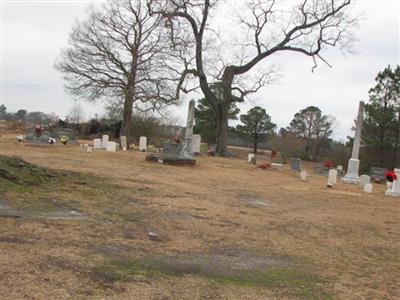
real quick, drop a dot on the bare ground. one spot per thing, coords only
(221, 230)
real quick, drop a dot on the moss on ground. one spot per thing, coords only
(284, 280)
(16, 171)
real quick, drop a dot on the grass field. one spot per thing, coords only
(223, 230)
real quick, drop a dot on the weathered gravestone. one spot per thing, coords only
(250, 156)
(104, 141)
(111, 147)
(97, 143)
(303, 175)
(143, 143)
(394, 191)
(196, 144)
(295, 164)
(332, 178)
(124, 143)
(368, 188)
(364, 179)
(181, 154)
(377, 174)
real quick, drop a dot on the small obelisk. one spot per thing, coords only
(352, 168)
(187, 149)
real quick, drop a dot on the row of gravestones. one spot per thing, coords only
(110, 146)
(377, 174)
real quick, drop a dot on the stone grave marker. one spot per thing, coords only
(368, 187)
(394, 191)
(97, 143)
(364, 179)
(303, 175)
(332, 178)
(142, 143)
(295, 164)
(104, 141)
(250, 157)
(377, 174)
(124, 143)
(111, 147)
(196, 143)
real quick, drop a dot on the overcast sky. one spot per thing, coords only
(34, 32)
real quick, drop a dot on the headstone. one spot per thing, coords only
(395, 189)
(250, 157)
(187, 150)
(142, 143)
(104, 141)
(377, 174)
(196, 144)
(368, 188)
(303, 175)
(364, 179)
(295, 164)
(332, 177)
(319, 169)
(89, 149)
(340, 170)
(124, 143)
(111, 147)
(97, 143)
(352, 168)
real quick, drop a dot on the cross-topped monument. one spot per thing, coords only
(352, 168)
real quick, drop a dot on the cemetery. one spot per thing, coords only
(196, 149)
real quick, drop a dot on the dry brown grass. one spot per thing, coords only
(339, 243)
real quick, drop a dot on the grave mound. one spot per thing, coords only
(16, 170)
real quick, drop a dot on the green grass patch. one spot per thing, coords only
(283, 280)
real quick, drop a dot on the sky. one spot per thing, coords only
(34, 32)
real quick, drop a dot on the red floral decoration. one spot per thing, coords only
(329, 164)
(390, 175)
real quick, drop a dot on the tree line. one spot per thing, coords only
(143, 55)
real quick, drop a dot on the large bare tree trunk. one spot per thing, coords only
(222, 129)
(127, 116)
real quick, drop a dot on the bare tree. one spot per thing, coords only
(268, 27)
(121, 53)
(76, 114)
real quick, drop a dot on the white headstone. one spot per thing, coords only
(124, 143)
(104, 141)
(364, 179)
(196, 143)
(89, 149)
(332, 177)
(303, 175)
(339, 168)
(97, 143)
(395, 189)
(111, 147)
(142, 143)
(368, 188)
(250, 156)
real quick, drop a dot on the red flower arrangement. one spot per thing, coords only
(328, 164)
(390, 175)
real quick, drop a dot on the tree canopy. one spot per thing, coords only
(314, 127)
(256, 125)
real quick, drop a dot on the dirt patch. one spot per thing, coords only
(253, 201)
(7, 211)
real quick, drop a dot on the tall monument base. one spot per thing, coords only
(352, 172)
